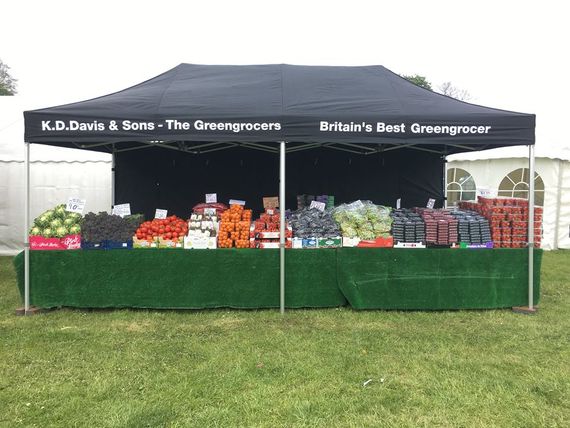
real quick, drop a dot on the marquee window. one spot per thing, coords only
(515, 185)
(460, 186)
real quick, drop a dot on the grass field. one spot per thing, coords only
(328, 368)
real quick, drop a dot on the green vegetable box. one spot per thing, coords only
(56, 229)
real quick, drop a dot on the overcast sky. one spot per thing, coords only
(508, 54)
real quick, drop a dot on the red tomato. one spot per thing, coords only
(167, 229)
(168, 235)
(174, 235)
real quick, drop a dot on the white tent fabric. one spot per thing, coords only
(488, 168)
(52, 183)
(55, 175)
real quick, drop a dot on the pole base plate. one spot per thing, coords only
(32, 310)
(525, 310)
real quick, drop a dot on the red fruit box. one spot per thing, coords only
(484, 200)
(515, 217)
(69, 242)
(41, 243)
(377, 243)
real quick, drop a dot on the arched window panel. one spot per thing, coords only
(460, 186)
(515, 185)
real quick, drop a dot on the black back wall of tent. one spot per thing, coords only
(176, 181)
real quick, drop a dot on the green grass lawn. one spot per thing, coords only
(308, 368)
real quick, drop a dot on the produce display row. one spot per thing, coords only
(508, 220)
(487, 223)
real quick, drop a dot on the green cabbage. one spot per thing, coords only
(363, 219)
(55, 223)
(35, 231)
(61, 231)
(60, 211)
(68, 222)
(75, 229)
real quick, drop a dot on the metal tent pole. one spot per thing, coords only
(282, 227)
(444, 181)
(113, 162)
(558, 203)
(26, 232)
(531, 227)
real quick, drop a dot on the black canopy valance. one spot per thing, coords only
(269, 103)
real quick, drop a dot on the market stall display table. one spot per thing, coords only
(372, 278)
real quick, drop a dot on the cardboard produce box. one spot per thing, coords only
(69, 242)
(200, 242)
(145, 243)
(329, 242)
(164, 243)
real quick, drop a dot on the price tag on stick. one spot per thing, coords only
(430, 203)
(398, 203)
(270, 202)
(122, 210)
(211, 198)
(318, 205)
(160, 214)
(75, 205)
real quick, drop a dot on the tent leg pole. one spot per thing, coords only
(26, 232)
(282, 227)
(444, 182)
(558, 203)
(530, 309)
(531, 227)
(113, 177)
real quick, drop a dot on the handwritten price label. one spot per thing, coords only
(122, 210)
(75, 205)
(318, 205)
(236, 202)
(161, 214)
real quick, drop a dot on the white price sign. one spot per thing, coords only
(75, 205)
(210, 211)
(122, 210)
(211, 198)
(430, 203)
(488, 193)
(160, 214)
(236, 202)
(398, 203)
(318, 205)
